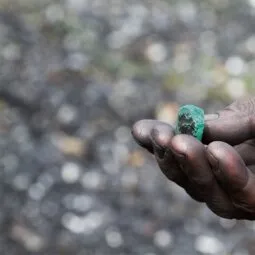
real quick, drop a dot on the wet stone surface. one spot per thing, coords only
(74, 76)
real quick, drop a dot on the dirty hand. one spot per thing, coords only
(220, 171)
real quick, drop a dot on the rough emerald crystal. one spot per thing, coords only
(191, 121)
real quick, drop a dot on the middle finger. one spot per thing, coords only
(200, 175)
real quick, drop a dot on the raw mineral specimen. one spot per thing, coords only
(190, 121)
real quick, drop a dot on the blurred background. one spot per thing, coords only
(75, 75)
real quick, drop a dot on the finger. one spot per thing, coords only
(156, 137)
(191, 154)
(227, 166)
(200, 175)
(246, 152)
(141, 132)
(233, 125)
(161, 137)
(233, 174)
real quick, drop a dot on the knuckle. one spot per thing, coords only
(244, 106)
(245, 205)
(247, 105)
(204, 183)
(220, 204)
(244, 199)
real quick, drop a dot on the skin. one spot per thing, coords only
(220, 170)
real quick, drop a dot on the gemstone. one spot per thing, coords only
(190, 121)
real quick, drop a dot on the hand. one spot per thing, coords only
(220, 171)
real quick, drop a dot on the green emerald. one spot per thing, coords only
(191, 121)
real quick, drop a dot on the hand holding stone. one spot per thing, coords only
(220, 170)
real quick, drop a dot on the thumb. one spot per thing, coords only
(234, 124)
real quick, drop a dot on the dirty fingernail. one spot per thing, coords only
(181, 159)
(160, 152)
(179, 156)
(213, 162)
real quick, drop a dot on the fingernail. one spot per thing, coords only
(179, 156)
(181, 159)
(213, 162)
(159, 151)
(209, 117)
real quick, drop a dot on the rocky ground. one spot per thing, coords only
(74, 76)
